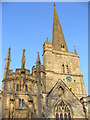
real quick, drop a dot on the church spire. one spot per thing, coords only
(23, 60)
(7, 63)
(58, 40)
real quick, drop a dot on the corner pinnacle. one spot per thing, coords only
(38, 58)
(23, 59)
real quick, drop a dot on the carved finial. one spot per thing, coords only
(47, 40)
(23, 59)
(38, 57)
(75, 50)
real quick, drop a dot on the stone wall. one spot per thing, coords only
(86, 104)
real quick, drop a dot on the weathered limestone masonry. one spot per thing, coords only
(53, 90)
(0, 105)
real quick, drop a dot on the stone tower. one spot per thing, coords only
(60, 63)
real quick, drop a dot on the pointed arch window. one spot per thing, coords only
(62, 45)
(63, 67)
(26, 89)
(17, 87)
(65, 116)
(63, 111)
(67, 68)
(22, 102)
(19, 102)
(69, 116)
(61, 116)
(57, 116)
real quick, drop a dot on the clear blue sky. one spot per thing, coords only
(27, 25)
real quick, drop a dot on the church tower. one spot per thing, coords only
(61, 64)
(53, 90)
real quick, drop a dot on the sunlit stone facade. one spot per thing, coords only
(53, 90)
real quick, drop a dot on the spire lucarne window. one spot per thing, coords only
(62, 111)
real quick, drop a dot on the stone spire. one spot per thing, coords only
(58, 40)
(23, 60)
(7, 63)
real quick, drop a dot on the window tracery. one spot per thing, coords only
(62, 111)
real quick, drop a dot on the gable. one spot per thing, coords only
(60, 92)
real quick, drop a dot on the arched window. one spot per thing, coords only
(69, 116)
(17, 87)
(65, 116)
(57, 109)
(19, 102)
(63, 68)
(61, 116)
(22, 102)
(26, 88)
(63, 111)
(62, 45)
(57, 116)
(67, 68)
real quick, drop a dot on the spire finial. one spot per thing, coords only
(23, 59)
(54, 4)
(75, 50)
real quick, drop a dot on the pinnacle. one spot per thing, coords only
(8, 55)
(38, 57)
(23, 59)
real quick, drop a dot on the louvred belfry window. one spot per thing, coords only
(63, 67)
(67, 68)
